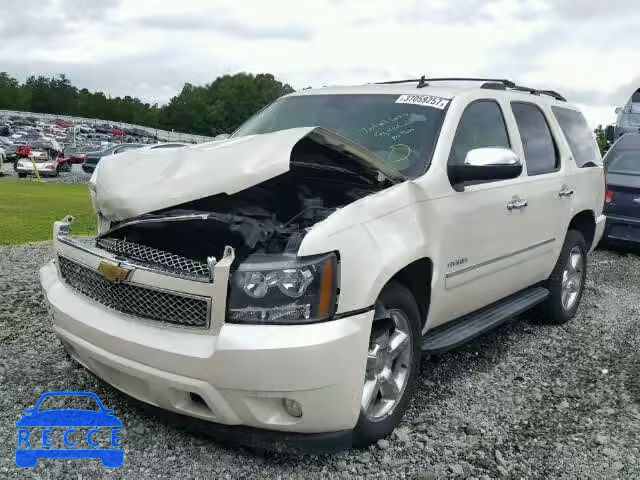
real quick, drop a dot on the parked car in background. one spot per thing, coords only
(64, 164)
(11, 152)
(75, 155)
(47, 167)
(93, 158)
(45, 155)
(622, 199)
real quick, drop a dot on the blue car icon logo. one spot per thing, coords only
(81, 433)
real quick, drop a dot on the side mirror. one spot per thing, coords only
(222, 136)
(482, 164)
(618, 110)
(609, 133)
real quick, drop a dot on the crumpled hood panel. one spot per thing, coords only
(146, 180)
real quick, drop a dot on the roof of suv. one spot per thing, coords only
(446, 89)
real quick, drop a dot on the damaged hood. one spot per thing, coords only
(142, 181)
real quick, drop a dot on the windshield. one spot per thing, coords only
(625, 162)
(401, 134)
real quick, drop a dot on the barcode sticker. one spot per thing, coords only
(424, 100)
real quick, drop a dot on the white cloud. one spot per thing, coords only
(149, 49)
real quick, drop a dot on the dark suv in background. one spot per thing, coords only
(622, 200)
(93, 158)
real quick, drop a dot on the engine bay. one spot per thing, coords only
(271, 217)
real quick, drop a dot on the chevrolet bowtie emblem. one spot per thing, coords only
(114, 272)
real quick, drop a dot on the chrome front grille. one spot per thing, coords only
(148, 303)
(158, 259)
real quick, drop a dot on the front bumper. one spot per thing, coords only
(622, 229)
(30, 170)
(229, 374)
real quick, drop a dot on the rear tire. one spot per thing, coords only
(566, 282)
(22, 175)
(400, 311)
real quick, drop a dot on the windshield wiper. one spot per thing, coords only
(333, 168)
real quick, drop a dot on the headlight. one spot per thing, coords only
(283, 290)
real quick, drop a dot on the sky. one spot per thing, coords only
(586, 50)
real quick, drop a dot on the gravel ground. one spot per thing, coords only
(526, 401)
(76, 175)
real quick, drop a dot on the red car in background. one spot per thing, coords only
(75, 155)
(76, 158)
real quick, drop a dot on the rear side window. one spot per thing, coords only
(578, 135)
(481, 125)
(540, 152)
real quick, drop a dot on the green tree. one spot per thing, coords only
(218, 107)
(11, 96)
(601, 139)
(221, 106)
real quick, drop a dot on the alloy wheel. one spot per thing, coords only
(388, 367)
(572, 278)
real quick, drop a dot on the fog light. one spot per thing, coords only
(293, 408)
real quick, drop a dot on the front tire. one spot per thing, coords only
(22, 175)
(566, 282)
(393, 362)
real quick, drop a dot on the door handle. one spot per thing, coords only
(565, 191)
(516, 204)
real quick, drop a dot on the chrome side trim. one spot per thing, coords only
(497, 259)
(129, 262)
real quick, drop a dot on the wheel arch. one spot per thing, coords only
(416, 277)
(585, 223)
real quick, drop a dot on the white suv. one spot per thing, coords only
(291, 276)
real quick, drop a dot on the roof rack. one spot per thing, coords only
(421, 81)
(533, 91)
(505, 82)
(489, 83)
(554, 94)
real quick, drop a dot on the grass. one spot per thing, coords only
(29, 208)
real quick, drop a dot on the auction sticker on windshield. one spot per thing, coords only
(424, 100)
(79, 428)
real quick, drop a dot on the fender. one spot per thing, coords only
(375, 238)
